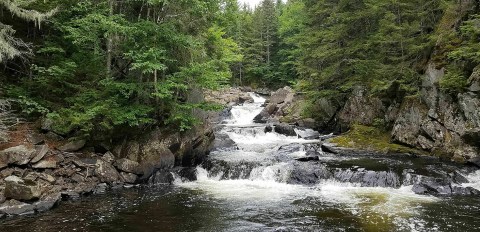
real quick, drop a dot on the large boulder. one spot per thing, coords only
(106, 172)
(262, 117)
(282, 95)
(126, 165)
(223, 142)
(19, 155)
(285, 129)
(19, 189)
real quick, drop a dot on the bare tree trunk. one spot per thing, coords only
(110, 43)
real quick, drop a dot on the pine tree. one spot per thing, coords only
(10, 46)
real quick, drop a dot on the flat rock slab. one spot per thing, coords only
(73, 146)
(14, 207)
(19, 155)
(40, 152)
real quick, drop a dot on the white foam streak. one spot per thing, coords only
(474, 180)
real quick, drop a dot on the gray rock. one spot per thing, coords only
(281, 95)
(285, 129)
(47, 202)
(361, 108)
(47, 124)
(14, 207)
(73, 146)
(108, 157)
(475, 161)
(127, 165)
(100, 189)
(70, 195)
(129, 177)
(308, 134)
(46, 163)
(19, 155)
(155, 157)
(47, 177)
(474, 80)
(472, 137)
(262, 117)
(106, 172)
(268, 129)
(161, 177)
(19, 189)
(36, 139)
(223, 142)
(329, 148)
(2, 198)
(40, 152)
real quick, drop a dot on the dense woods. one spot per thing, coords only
(98, 65)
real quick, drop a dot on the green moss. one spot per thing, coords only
(371, 139)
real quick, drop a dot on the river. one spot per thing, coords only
(266, 181)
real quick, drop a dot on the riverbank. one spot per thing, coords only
(39, 167)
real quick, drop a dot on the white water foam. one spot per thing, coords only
(474, 180)
(267, 183)
(244, 114)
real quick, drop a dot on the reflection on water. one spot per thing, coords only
(182, 209)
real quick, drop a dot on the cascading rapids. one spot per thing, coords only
(264, 170)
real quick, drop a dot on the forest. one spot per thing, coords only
(96, 66)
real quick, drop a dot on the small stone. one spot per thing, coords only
(73, 146)
(100, 188)
(46, 177)
(40, 152)
(128, 177)
(70, 195)
(78, 178)
(31, 176)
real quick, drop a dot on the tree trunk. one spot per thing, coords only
(110, 43)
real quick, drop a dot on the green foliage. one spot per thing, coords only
(105, 66)
(454, 81)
